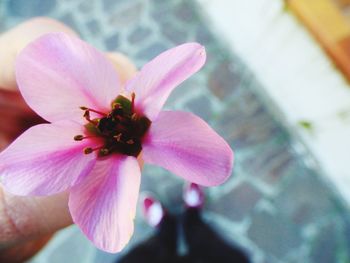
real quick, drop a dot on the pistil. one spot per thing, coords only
(122, 129)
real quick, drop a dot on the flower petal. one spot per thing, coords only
(44, 160)
(185, 145)
(154, 83)
(58, 73)
(103, 204)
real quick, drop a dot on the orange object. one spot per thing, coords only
(325, 20)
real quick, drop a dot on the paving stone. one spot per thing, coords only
(151, 51)
(185, 11)
(30, 8)
(183, 91)
(274, 234)
(87, 7)
(237, 203)
(224, 80)
(109, 5)
(94, 26)
(177, 35)
(73, 250)
(203, 35)
(272, 160)
(139, 34)
(250, 124)
(344, 222)
(325, 247)
(112, 42)
(126, 16)
(161, 13)
(201, 106)
(70, 21)
(305, 199)
(164, 185)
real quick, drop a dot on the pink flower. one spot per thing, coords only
(71, 85)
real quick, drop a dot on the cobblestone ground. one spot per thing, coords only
(277, 206)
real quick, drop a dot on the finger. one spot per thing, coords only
(125, 68)
(14, 40)
(23, 251)
(25, 218)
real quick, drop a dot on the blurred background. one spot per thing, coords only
(275, 86)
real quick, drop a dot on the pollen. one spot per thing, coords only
(121, 130)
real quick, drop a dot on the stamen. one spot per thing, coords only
(88, 150)
(104, 151)
(92, 110)
(116, 105)
(87, 117)
(118, 137)
(121, 129)
(78, 137)
(131, 141)
(134, 117)
(81, 137)
(132, 101)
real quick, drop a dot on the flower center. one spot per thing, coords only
(122, 129)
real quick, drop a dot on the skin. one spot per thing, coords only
(27, 223)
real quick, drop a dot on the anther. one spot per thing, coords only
(86, 114)
(104, 151)
(132, 101)
(116, 105)
(81, 137)
(87, 117)
(134, 117)
(87, 110)
(117, 137)
(131, 141)
(88, 150)
(78, 137)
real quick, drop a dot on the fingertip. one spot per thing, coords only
(124, 66)
(25, 218)
(14, 40)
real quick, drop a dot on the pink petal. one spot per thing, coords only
(154, 83)
(44, 160)
(103, 205)
(58, 73)
(185, 145)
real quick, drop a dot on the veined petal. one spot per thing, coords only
(185, 145)
(45, 160)
(58, 73)
(103, 204)
(154, 83)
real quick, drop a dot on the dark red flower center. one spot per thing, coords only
(122, 129)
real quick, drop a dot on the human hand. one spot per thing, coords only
(27, 223)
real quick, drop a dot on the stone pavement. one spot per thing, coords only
(277, 206)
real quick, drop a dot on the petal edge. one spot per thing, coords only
(184, 144)
(158, 78)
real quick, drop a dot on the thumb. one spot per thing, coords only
(14, 40)
(24, 218)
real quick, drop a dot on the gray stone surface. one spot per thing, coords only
(325, 247)
(35, 8)
(201, 106)
(304, 199)
(275, 234)
(238, 203)
(275, 206)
